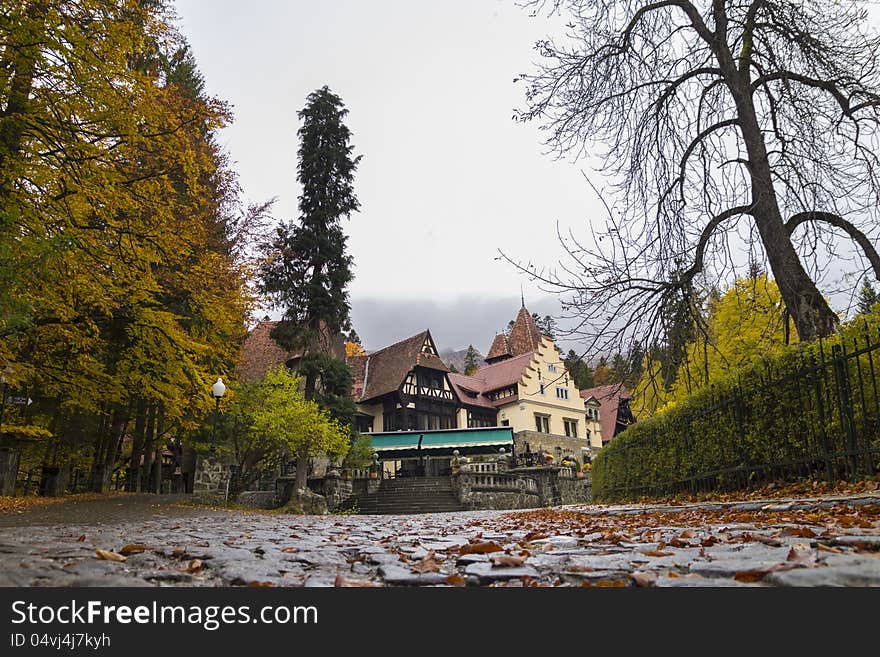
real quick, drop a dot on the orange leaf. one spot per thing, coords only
(194, 566)
(108, 556)
(480, 548)
(132, 548)
(801, 532)
(456, 580)
(750, 575)
(643, 579)
(81, 538)
(507, 561)
(290, 550)
(341, 582)
(425, 565)
(655, 553)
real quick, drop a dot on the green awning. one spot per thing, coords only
(443, 439)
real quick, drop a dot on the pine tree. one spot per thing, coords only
(580, 372)
(308, 270)
(867, 297)
(546, 325)
(471, 361)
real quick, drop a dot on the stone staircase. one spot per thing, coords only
(407, 495)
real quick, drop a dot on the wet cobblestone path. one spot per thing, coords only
(156, 541)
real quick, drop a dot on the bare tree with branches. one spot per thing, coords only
(727, 123)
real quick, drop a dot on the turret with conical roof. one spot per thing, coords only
(524, 338)
(500, 349)
(524, 335)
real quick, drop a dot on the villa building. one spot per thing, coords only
(524, 386)
(420, 413)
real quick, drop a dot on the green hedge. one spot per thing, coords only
(810, 410)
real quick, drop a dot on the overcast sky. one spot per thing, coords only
(447, 177)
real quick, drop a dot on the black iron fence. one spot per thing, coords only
(812, 412)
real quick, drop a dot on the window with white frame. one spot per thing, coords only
(571, 427)
(542, 423)
(562, 393)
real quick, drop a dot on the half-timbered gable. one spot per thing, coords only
(406, 385)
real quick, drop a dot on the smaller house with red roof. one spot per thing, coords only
(609, 405)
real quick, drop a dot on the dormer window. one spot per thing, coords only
(551, 368)
(428, 348)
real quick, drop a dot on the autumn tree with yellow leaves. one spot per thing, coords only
(123, 268)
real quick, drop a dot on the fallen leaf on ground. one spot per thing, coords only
(801, 532)
(194, 566)
(480, 548)
(604, 583)
(290, 550)
(655, 553)
(426, 564)
(806, 558)
(259, 584)
(341, 582)
(456, 580)
(577, 568)
(688, 533)
(750, 575)
(132, 548)
(507, 561)
(81, 538)
(828, 548)
(643, 579)
(108, 556)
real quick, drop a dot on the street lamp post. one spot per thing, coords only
(6, 371)
(217, 390)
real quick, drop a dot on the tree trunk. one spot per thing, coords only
(137, 447)
(148, 449)
(813, 318)
(302, 471)
(160, 445)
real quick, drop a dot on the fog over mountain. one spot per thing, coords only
(453, 324)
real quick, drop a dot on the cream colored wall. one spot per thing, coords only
(461, 418)
(376, 410)
(521, 413)
(595, 428)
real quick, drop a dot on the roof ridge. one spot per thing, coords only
(415, 335)
(506, 360)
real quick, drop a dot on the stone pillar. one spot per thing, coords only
(212, 479)
(53, 481)
(9, 459)
(336, 490)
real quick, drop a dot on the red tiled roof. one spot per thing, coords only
(504, 373)
(491, 377)
(358, 366)
(524, 335)
(460, 383)
(385, 370)
(609, 397)
(500, 348)
(260, 352)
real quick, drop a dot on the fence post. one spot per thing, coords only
(820, 411)
(844, 398)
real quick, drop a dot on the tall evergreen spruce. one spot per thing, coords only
(308, 269)
(471, 360)
(867, 297)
